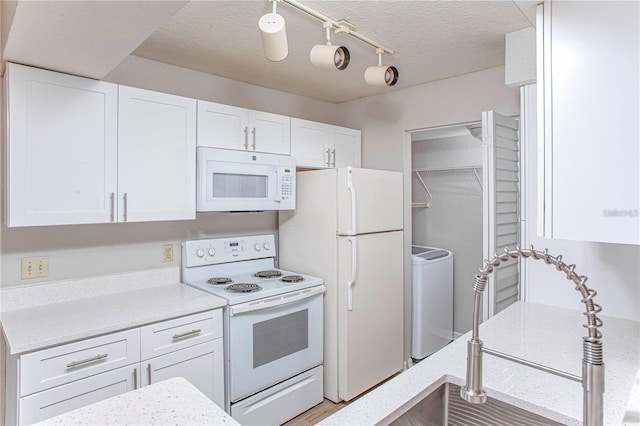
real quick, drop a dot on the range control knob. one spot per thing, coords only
(200, 252)
(266, 246)
(257, 246)
(211, 251)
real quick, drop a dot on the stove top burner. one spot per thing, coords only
(267, 274)
(219, 280)
(243, 288)
(292, 278)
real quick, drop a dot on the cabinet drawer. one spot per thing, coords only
(168, 336)
(63, 364)
(53, 402)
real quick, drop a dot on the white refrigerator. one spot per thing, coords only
(347, 229)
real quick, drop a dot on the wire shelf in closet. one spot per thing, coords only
(418, 170)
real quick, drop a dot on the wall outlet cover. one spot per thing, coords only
(34, 267)
(167, 253)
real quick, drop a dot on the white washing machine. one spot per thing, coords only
(432, 317)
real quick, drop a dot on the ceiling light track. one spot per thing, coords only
(337, 26)
(274, 40)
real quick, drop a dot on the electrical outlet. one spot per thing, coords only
(34, 267)
(167, 253)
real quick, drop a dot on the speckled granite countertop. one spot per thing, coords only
(83, 308)
(169, 402)
(543, 334)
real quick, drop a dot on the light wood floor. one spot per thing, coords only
(317, 413)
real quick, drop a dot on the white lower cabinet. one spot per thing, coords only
(201, 365)
(61, 399)
(53, 381)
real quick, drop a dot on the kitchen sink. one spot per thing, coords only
(444, 406)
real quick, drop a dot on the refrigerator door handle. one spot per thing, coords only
(352, 191)
(354, 268)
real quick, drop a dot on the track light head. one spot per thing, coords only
(381, 76)
(329, 56)
(274, 36)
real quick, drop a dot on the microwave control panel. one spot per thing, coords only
(287, 182)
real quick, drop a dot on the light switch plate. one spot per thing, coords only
(34, 267)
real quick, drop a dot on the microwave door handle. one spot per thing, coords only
(278, 196)
(354, 268)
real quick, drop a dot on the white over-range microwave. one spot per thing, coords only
(244, 181)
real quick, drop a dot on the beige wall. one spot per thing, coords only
(146, 74)
(462, 99)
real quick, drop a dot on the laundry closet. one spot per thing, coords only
(465, 188)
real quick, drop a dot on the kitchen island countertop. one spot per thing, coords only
(543, 334)
(173, 401)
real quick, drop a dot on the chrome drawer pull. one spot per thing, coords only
(188, 333)
(87, 361)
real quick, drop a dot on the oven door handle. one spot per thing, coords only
(271, 302)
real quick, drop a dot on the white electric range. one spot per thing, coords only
(273, 326)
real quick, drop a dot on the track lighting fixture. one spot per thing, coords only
(274, 40)
(274, 35)
(328, 55)
(380, 75)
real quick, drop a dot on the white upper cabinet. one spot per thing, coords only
(229, 127)
(85, 151)
(61, 149)
(319, 145)
(310, 143)
(345, 146)
(589, 139)
(156, 156)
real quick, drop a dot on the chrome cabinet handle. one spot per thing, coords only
(187, 334)
(328, 157)
(135, 378)
(124, 199)
(113, 206)
(149, 372)
(254, 138)
(333, 151)
(246, 138)
(87, 361)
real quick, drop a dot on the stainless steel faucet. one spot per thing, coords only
(592, 365)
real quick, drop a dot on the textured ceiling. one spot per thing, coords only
(432, 40)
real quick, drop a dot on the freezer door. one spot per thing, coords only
(368, 201)
(370, 311)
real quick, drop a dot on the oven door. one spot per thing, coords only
(273, 339)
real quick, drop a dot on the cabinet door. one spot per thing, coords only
(222, 126)
(310, 143)
(156, 156)
(80, 393)
(269, 133)
(202, 365)
(62, 148)
(345, 150)
(589, 104)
